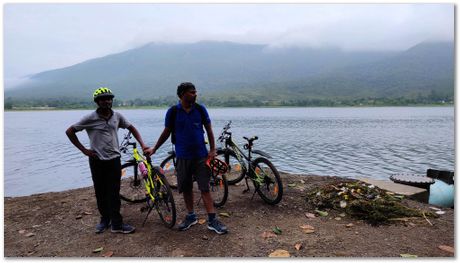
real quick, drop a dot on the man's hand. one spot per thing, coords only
(89, 153)
(212, 154)
(149, 151)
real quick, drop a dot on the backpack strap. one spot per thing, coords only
(173, 123)
(201, 110)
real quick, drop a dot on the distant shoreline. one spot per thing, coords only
(222, 107)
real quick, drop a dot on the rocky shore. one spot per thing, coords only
(61, 224)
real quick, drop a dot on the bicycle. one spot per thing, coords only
(263, 174)
(142, 182)
(218, 185)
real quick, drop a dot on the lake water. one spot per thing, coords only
(346, 142)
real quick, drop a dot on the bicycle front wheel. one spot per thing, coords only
(169, 167)
(164, 203)
(218, 187)
(132, 187)
(235, 171)
(267, 181)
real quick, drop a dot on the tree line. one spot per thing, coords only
(72, 103)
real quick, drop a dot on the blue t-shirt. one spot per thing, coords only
(189, 132)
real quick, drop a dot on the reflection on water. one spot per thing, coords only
(348, 142)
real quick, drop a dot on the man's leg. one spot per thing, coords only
(100, 189)
(203, 175)
(185, 186)
(113, 171)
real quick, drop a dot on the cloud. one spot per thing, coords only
(40, 37)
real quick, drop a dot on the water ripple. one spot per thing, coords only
(347, 142)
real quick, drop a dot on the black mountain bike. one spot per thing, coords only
(263, 174)
(218, 185)
(142, 182)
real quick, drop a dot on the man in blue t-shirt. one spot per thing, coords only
(186, 121)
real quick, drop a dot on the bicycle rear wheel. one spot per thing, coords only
(218, 187)
(169, 167)
(235, 171)
(268, 182)
(164, 203)
(132, 185)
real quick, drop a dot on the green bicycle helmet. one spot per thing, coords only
(102, 92)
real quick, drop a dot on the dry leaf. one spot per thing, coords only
(298, 246)
(307, 229)
(408, 255)
(201, 221)
(268, 234)
(78, 217)
(447, 248)
(108, 254)
(350, 225)
(440, 212)
(310, 215)
(279, 253)
(338, 218)
(30, 235)
(225, 214)
(87, 213)
(292, 185)
(22, 231)
(99, 249)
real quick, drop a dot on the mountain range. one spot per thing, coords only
(226, 70)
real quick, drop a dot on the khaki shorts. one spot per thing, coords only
(189, 170)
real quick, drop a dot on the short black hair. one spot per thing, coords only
(184, 87)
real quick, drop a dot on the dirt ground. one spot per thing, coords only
(62, 225)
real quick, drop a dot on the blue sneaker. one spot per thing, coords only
(102, 226)
(217, 226)
(124, 228)
(189, 221)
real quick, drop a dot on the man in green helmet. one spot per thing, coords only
(104, 157)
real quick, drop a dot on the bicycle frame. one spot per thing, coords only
(242, 158)
(149, 185)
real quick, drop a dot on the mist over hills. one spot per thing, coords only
(225, 71)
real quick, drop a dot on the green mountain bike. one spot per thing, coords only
(142, 182)
(263, 174)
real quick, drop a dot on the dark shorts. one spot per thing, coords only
(189, 169)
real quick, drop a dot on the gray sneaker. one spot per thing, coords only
(124, 228)
(189, 221)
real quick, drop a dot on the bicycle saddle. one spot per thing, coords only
(250, 139)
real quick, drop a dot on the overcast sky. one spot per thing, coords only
(39, 37)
